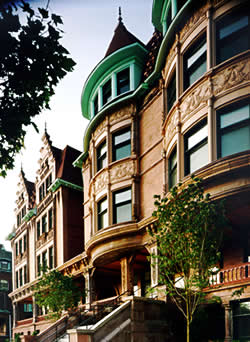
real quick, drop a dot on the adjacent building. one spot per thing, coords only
(5, 289)
(158, 113)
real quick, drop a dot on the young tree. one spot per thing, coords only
(188, 235)
(57, 293)
(32, 62)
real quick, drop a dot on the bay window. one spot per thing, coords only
(232, 35)
(196, 147)
(102, 213)
(172, 168)
(233, 124)
(123, 81)
(121, 144)
(195, 62)
(101, 155)
(106, 92)
(122, 205)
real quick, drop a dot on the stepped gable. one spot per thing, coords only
(153, 46)
(30, 187)
(66, 171)
(122, 37)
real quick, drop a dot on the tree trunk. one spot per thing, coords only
(188, 330)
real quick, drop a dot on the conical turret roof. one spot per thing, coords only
(122, 37)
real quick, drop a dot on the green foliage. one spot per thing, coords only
(57, 293)
(238, 293)
(188, 235)
(32, 62)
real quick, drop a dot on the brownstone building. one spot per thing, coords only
(159, 113)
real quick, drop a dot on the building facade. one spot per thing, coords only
(5, 289)
(159, 113)
(49, 222)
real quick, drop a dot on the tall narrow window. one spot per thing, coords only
(17, 282)
(123, 81)
(122, 206)
(96, 105)
(39, 265)
(101, 155)
(171, 92)
(241, 320)
(234, 125)
(172, 168)
(195, 62)
(232, 35)
(24, 242)
(50, 214)
(106, 92)
(196, 148)
(102, 213)
(25, 275)
(16, 244)
(51, 258)
(41, 192)
(44, 260)
(121, 144)
(38, 229)
(20, 246)
(21, 277)
(48, 182)
(44, 223)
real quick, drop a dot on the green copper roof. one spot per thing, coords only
(30, 214)
(118, 58)
(156, 13)
(60, 182)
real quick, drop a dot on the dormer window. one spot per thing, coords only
(123, 81)
(106, 92)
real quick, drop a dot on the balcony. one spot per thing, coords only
(232, 275)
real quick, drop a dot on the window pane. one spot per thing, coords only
(196, 55)
(228, 145)
(102, 209)
(122, 152)
(233, 27)
(106, 92)
(237, 115)
(171, 92)
(122, 196)
(103, 205)
(123, 81)
(198, 72)
(197, 137)
(121, 137)
(123, 213)
(173, 169)
(101, 156)
(199, 158)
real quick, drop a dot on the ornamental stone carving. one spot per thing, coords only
(121, 114)
(195, 99)
(171, 125)
(100, 128)
(232, 76)
(101, 181)
(120, 171)
(199, 16)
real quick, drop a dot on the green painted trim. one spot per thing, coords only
(78, 162)
(156, 14)
(30, 214)
(106, 66)
(60, 182)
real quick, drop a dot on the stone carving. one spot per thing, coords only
(200, 15)
(122, 170)
(195, 99)
(101, 181)
(100, 128)
(170, 57)
(121, 114)
(171, 125)
(231, 76)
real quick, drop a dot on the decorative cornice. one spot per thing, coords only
(30, 214)
(60, 182)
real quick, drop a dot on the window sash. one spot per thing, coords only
(101, 156)
(122, 206)
(171, 92)
(123, 81)
(121, 144)
(102, 213)
(106, 92)
(172, 167)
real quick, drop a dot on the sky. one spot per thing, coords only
(88, 29)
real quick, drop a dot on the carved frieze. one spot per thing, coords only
(101, 181)
(100, 128)
(198, 16)
(195, 99)
(231, 76)
(123, 170)
(171, 125)
(123, 113)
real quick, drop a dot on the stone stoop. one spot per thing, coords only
(138, 319)
(64, 338)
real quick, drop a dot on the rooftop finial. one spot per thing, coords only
(120, 14)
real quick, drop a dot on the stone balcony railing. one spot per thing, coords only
(232, 275)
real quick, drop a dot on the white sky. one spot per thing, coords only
(89, 26)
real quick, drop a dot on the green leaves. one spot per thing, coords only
(32, 63)
(188, 234)
(56, 292)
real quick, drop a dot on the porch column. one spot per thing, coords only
(35, 310)
(88, 288)
(228, 323)
(14, 314)
(127, 276)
